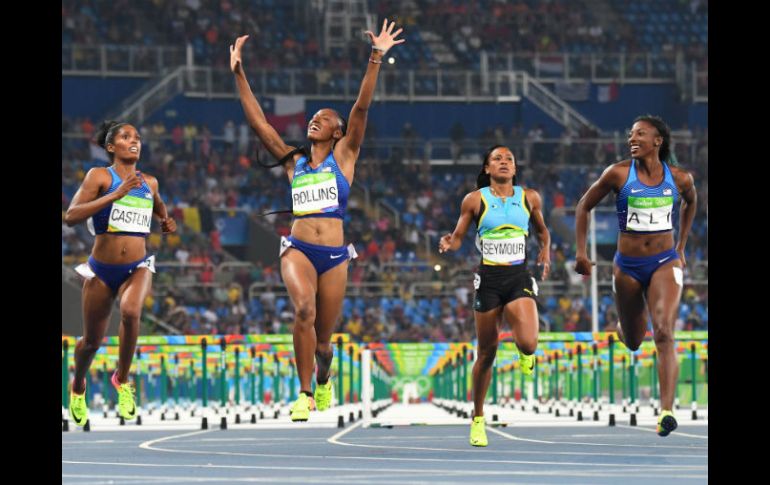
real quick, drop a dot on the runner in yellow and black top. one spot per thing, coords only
(502, 211)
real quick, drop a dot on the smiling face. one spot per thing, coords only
(324, 125)
(501, 164)
(644, 140)
(126, 145)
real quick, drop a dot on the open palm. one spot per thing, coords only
(387, 37)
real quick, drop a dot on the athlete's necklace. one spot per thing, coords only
(494, 192)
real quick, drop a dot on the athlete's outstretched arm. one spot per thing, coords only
(686, 186)
(590, 199)
(254, 114)
(85, 202)
(350, 144)
(453, 241)
(543, 236)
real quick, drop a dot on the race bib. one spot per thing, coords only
(647, 214)
(130, 214)
(314, 193)
(503, 250)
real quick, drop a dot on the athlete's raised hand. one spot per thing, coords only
(235, 54)
(387, 37)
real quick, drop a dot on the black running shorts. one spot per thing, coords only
(498, 285)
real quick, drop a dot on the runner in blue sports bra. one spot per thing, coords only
(648, 267)
(119, 203)
(503, 212)
(314, 260)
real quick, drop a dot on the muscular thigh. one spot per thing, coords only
(664, 293)
(135, 289)
(299, 276)
(329, 299)
(521, 314)
(629, 300)
(97, 304)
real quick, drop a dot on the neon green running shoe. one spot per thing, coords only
(666, 423)
(478, 432)
(323, 396)
(300, 410)
(78, 408)
(126, 402)
(526, 363)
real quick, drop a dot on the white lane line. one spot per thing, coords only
(516, 438)
(150, 445)
(438, 460)
(147, 445)
(333, 439)
(614, 445)
(93, 442)
(230, 440)
(422, 471)
(674, 433)
(514, 452)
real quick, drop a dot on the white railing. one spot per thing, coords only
(597, 67)
(154, 98)
(119, 60)
(144, 61)
(553, 105)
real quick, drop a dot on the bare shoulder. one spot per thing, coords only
(529, 191)
(98, 172)
(617, 173)
(683, 179)
(621, 167)
(151, 179)
(680, 174)
(98, 175)
(473, 196)
(472, 201)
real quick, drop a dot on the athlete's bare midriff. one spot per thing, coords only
(118, 249)
(322, 231)
(642, 245)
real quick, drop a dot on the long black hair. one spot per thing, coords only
(483, 179)
(106, 135)
(664, 131)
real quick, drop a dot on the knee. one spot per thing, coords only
(632, 339)
(90, 344)
(527, 348)
(305, 313)
(633, 346)
(487, 356)
(663, 335)
(130, 314)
